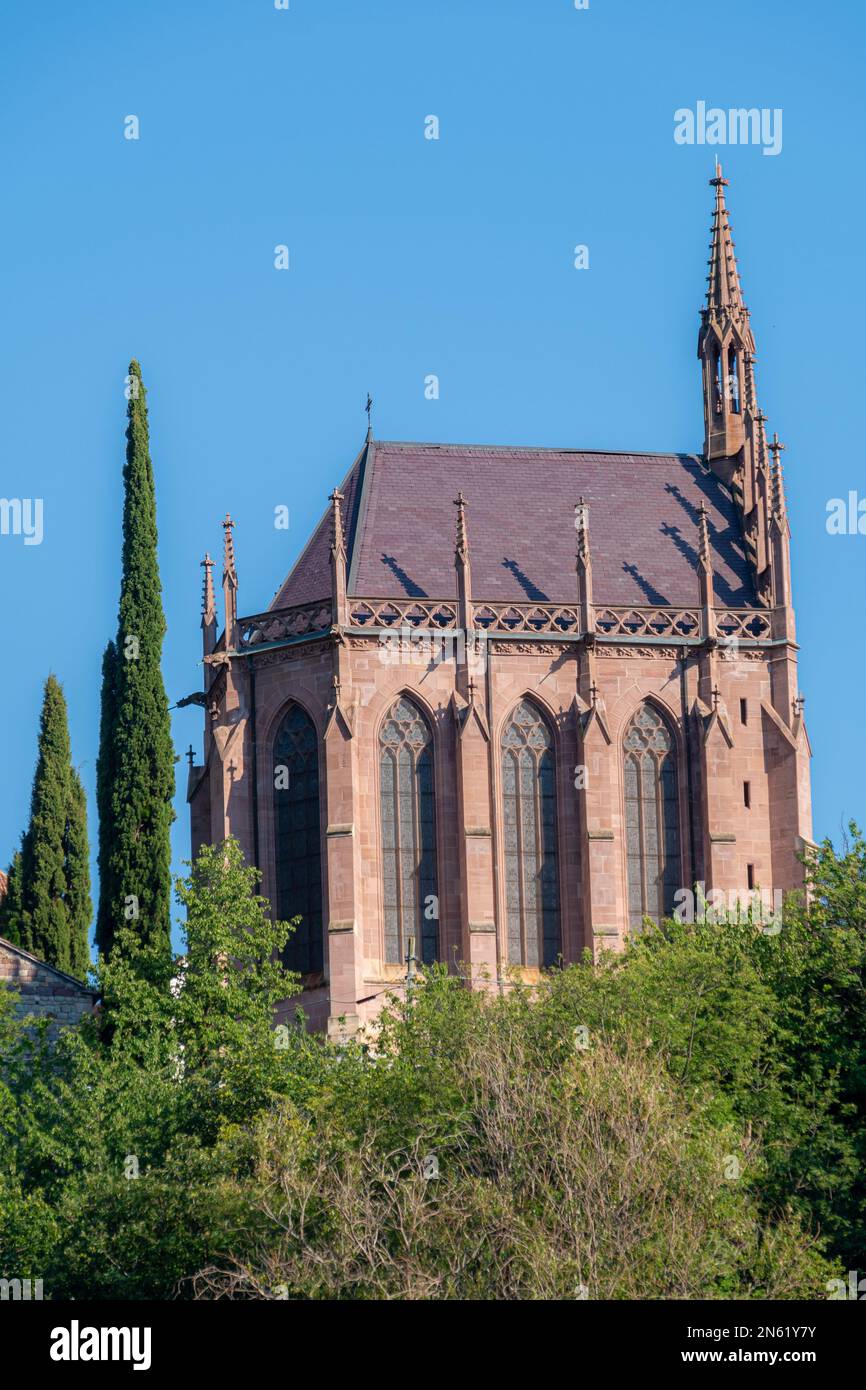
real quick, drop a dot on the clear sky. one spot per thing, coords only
(408, 256)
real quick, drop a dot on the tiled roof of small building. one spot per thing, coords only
(644, 514)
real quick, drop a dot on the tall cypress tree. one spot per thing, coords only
(43, 854)
(78, 902)
(136, 764)
(47, 907)
(105, 776)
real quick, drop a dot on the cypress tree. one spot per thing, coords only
(43, 853)
(105, 776)
(78, 902)
(13, 924)
(136, 771)
(47, 906)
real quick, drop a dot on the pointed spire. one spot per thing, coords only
(726, 348)
(338, 560)
(723, 282)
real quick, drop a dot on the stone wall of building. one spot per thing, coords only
(44, 991)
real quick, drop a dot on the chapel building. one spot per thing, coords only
(511, 702)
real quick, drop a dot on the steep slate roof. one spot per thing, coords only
(643, 527)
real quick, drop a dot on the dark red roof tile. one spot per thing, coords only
(643, 527)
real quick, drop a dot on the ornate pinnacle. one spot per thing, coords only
(704, 541)
(208, 602)
(229, 570)
(581, 522)
(462, 547)
(338, 542)
(776, 448)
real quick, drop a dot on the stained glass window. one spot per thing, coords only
(408, 833)
(298, 839)
(651, 817)
(529, 823)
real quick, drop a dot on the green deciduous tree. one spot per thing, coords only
(136, 775)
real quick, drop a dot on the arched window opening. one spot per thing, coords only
(651, 817)
(408, 834)
(298, 839)
(529, 822)
(733, 380)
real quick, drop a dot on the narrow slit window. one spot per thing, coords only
(744, 712)
(750, 876)
(747, 795)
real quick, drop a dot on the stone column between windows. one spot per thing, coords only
(604, 906)
(344, 946)
(475, 844)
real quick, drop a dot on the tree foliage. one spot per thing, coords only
(136, 778)
(683, 1120)
(47, 907)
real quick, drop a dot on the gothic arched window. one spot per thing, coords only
(651, 817)
(408, 833)
(529, 817)
(298, 839)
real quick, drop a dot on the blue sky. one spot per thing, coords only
(408, 257)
